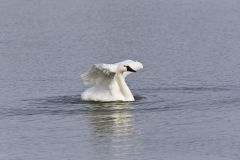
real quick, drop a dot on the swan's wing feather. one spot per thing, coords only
(99, 73)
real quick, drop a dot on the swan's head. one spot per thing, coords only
(129, 66)
(125, 68)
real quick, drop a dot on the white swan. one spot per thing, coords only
(108, 81)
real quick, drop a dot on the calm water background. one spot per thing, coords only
(188, 95)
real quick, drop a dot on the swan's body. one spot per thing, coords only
(108, 81)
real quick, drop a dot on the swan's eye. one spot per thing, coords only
(125, 66)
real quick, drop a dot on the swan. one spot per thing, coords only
(108, 81)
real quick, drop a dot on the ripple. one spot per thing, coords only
(75, 99)
(186, 88)
(68, 105)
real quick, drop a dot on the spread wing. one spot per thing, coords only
(99, 73)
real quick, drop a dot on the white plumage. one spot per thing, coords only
(108, 81)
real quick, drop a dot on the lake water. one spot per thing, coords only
(187, 96)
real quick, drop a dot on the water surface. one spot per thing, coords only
(187, 96)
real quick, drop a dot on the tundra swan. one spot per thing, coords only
(108, 81)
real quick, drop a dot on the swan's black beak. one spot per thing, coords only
(130, 69)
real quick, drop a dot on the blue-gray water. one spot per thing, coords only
(188, 94)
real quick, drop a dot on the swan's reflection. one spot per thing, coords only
(111, 119)
(112, 127)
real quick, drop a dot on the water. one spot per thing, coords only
(187, 96)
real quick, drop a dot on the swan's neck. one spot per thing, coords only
(124, 88)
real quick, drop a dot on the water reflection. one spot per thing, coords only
(111, 127)
(110, 118)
